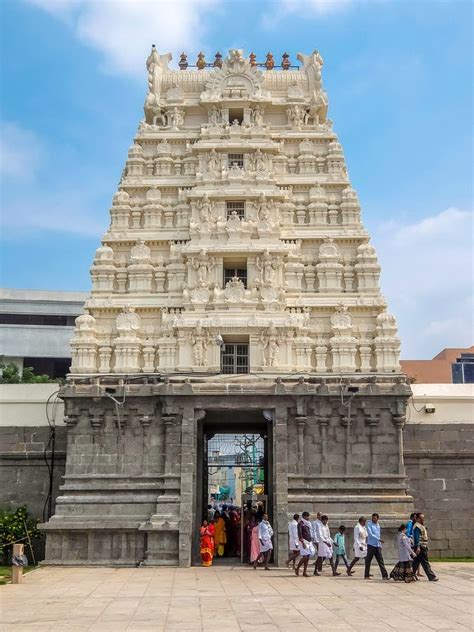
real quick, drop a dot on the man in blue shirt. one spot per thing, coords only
(374, 547)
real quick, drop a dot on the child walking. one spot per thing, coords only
(340, 548)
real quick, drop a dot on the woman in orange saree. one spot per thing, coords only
(207, 543)
(220, 535)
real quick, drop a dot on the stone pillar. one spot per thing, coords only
(300, 426)
(280, 481)
(372, 421)
(145, 422)
(188, 491)
(168, 425)
(347, 423)
(323, 421)
(400, 423)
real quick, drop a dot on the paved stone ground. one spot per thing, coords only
(234, 599)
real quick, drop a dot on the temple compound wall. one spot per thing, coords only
(438, 459)
(235, 281)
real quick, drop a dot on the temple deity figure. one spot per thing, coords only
(203, 265)
(213, 162)
(200, 342)
(295, 115)
(267, 266)
(270, 340)
(257, 115)
(263, 209)
(259, 161)
(175, 117)
(215, 116)
(205, 209)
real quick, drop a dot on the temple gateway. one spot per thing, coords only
(236, 349)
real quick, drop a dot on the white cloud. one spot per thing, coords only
(20, 152)
(124, 30)
(427, 274)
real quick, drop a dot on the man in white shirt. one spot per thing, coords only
(325, 548)
(293, 540)
(265, 533)
(316, 526)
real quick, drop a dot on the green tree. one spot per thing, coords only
(10, 374)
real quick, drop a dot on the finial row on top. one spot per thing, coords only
(201, 62)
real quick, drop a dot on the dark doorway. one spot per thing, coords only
(234, 465)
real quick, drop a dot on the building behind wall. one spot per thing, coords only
(36, 329)
(235, 290)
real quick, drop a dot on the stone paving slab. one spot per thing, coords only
(234, 599)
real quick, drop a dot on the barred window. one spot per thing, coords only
(230, 273)
(235, 159)
(236, 205)
(235, 358)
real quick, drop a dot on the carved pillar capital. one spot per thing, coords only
(96, 419)
(71, 420)
(399, 420)
(199, 414)
(145, 421)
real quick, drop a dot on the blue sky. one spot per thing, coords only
(398, 75)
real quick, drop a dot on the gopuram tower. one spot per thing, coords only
(235, 287)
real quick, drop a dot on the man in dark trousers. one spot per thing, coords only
(374, 547)
(420, 537)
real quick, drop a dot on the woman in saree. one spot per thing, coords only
(220, 536)
(207, 532)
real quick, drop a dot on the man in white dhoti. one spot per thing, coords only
(325, 547)
(360, 543)
(293, 541)
(306, 546)
(265, 533)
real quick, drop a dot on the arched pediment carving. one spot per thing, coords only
(236, 79)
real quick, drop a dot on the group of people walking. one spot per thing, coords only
(312, 539)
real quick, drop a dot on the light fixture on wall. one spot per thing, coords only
(429, 408)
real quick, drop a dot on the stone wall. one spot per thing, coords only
(439, 461)
(24, 475)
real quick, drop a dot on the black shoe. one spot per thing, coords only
(435, 579)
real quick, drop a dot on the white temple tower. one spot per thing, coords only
(235, 275)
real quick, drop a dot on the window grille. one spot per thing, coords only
(236, 205)
(230, 273)
(235, 159)
(235, 358)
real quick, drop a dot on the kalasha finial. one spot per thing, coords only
(285, 62)
(253, 59)
(218, 60)
(183, 61)
(269, 62)
(201, 61)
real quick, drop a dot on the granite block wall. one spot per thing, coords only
(439, 460)
(24, 476)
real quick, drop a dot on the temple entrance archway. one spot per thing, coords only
(234, 476)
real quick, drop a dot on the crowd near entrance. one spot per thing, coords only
(235, 488)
